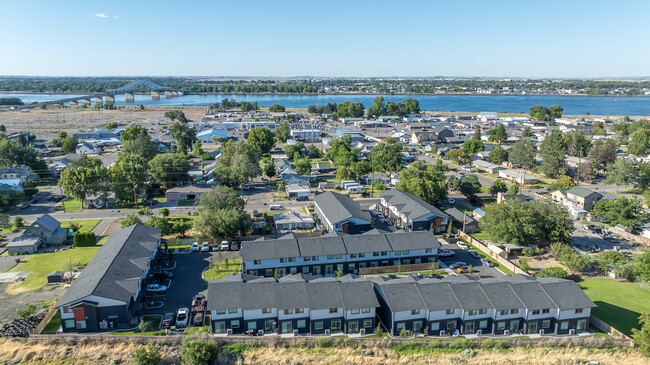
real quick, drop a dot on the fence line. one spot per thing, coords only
(51, 313)
(488, 251)
(396, 268)
(603, 326)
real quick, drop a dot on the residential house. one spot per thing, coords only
(463, 221)
(186, 193)
(208, 135)
(324, 166)
(298, 191)
(368, 179)
(86, 148)
(341, 213)
(326, 255)
(518, 177)
(577, 196)
(420, 138)
(294, 304)
(16, 175)
(109, 293)
(305, 134)
(486, 166)
(290, 221)
(410, 213)
(521, 197)
(45, 231)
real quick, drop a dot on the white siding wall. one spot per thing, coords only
(282, 316)
(569, 314)
(225, 316)
(406, 315)
(325, 314)
(552, 313)
(438, 315)
(349, 315)
(257, 314)
(520, 313)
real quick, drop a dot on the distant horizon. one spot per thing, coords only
(594, 78)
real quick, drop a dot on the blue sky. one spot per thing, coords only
(325, 38)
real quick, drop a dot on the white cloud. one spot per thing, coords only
(101, 15)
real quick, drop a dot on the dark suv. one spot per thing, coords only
(168, 320)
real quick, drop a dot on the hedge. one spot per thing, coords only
(85, 239)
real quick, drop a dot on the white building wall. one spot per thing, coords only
(440, 315)
(214, 314)
(570, 314)
(325, 314)
(406, 315)
(349, 315)
(282, 316)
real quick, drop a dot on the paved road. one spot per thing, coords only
(479, 268)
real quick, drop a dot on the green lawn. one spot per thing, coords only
(220, 270)
(71, 205)
(619, 303)
(481, 235)
(13, 228)
(154, 328)
(186, 203)
(87, 225)
(160, 199)
(496, 263)
(52, 325)
(197, 331)
(40, 265)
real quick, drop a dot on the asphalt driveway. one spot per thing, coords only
(464, 256)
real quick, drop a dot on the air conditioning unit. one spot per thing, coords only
(572, 331)
(479, 332)
(541, 332)
(362, 331)
(506, 332)
(229, 332)
(442, 333)
(327, 332)
(356, 272)
(295, 332)
(260, 332)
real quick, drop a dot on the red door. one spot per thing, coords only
(345, 228)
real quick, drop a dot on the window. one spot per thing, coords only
(69, 323)
(405, 252)
(375, 254)
(415, 312)
(353, 255)
(473, 312)
(301, 323)
(449, 312)
(546, 311)
(314, 258)
(81, 325)
(232, 310)
(365, 310)
(395, 262)
(514, 311)
(407, 262)
(535, 312)
(339, 256)
(316, 270)
(293, 270)
(546, 324)
(234, 324)
(362, 255)
(305, 270)
(221, 311)
(397, 253)
(503, 313)
(266, 310)
(351, 267)
(564, 325)
(307, 258)
(435, 326)
(292, 259)
(579, 310)
(482, 324)
(299, 310)
(367, 323)
(257, 262)
(283, 260)
(288, 312)
(400, 326)
(355, 311)
(269, 272)
(501, 326)
(384, 253)
(67, 310)
(330, 257)
(252, 325)
(482, 311)
(318, 325)
(334, 310)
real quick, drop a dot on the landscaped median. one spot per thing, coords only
(222, 269)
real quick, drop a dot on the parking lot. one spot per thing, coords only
(461, 255)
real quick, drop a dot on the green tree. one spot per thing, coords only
(82, 182)
(552, 152)
(528, 133)
(160, 223)
(122, 175)
(221, 197)
(625, 211)
(342, 153)
(387, 156)
(424, 181)
(261, 139)
(86, 161)
(69, 145)
(539, 112)
(222, 222)
(199, 352)
(239, 162)
(111, 126)
(552, 272)
(555, 111)
(473, 146)
(313, 151)
(500, 134)
(621, 172)
(576, 143)
(147, 355)
(498, 186)
(176, 115)
(639, 142)
(164, 212)
(13, 153)
(514, 189)
(183, 135)
(282, 132)
(498, 154)
(458, 155)
(601, 154)
(303, 165)
(477, 135)
(642, 265)
(469, 186)
(291, 150)
(348, 109)
(170, 169)
(130, 220)
(378, 107)
(269, 169)
(136, 141)
(276, 108)
(566, 182)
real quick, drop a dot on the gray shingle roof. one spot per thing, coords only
(367, 243)
(458, 215)
(115, 270)
(532, 295)
(402, 296)
(438, 296)
(501, 296)
(566, 294)
(48, 222)
(470, 296)
(412, 240)
(339, 207)
(410, 205)
(326, 246)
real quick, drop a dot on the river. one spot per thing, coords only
(597, 105)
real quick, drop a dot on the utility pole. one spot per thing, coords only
(62, 200)
(135, 196)
(372, 184)
(464, 215)
(579, 163)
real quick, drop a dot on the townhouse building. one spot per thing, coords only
(410, 213)
(326, 255)
(298, 303)
(340, 213)
(497, 306)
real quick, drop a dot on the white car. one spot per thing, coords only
(156, 288)
(182, 316)
(225, 246)
(195, 247)
(451, 201)
(205, 247)
(446, 253)
(487, 262)
(462, 245)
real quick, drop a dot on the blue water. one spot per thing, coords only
(469, 103)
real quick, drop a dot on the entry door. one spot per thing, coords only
(514, 326)
(353, 327)
(469, 327)
(532, 327)
(287, 327)
(451, 326)
(268, 325)
(582, 325)
(336, 325)
(417, 326)
(220, 327)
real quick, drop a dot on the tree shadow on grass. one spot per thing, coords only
(620, 318)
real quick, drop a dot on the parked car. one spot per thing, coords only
(156, 288)
(276, 207)
(487, 262)
(462, 269)
(205, 247)
(446, 253)
(182, 317)
(246, 187)
(234, 246)
(462, 245)
(451, 201)
(168, 320)
(225, 246)
(25, 205)
(195, 247)
(475, 255)
(457, 264)
(255, 213)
